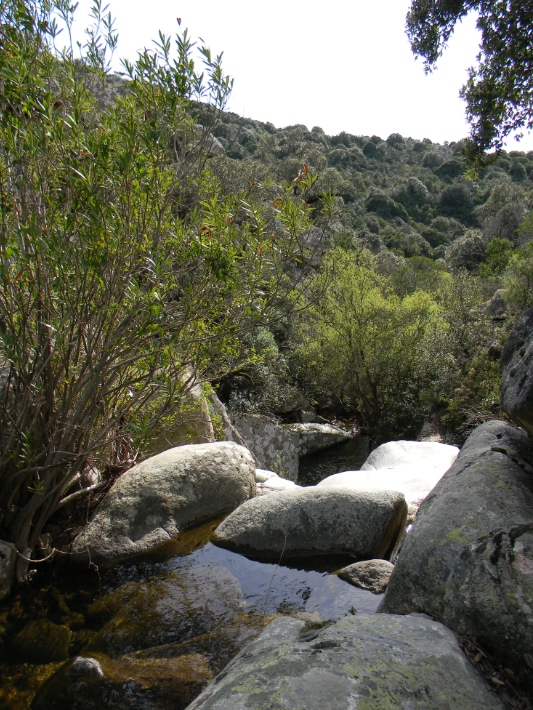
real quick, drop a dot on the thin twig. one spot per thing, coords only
(274, 574)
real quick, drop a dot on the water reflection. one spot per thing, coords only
(342, 457)
(264, 588)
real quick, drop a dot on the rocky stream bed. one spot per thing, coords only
(192, 603)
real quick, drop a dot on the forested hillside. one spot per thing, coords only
(408, 195)
(412, 220)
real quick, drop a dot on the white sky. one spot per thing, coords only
(342, 65)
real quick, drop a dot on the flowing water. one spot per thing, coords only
(163, 625)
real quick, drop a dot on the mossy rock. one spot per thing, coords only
(188, 602)
(155, 683)
(42, 642)
(468, 561)
(371, 662)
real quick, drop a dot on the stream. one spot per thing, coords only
(163, 625)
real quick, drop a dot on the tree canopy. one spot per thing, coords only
(499, 89)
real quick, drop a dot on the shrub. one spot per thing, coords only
(125, 274)
(368, 348)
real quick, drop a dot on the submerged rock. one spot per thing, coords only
(125, 683)
(186, 603)
(314, 521)
(468, 561)
(152, 502)
(42, 641)
(370, 662)
(373, 575)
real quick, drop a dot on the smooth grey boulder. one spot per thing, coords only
(468, 561)
(261, 475)
(360, 663)
(412, 467)
(411, 453)
(311, 521)
(274, 485)
(373, 575)
(165, 494)
(315, 437)
(516, 363)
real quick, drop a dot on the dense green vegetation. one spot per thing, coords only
(128, 271)
(139, 256)
(402, 213)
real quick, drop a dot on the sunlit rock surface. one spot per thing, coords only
(373, 575)
(274, 447)
(364, 663)
(165, 494)
(315, 521)
(315, 437)
(412, 467)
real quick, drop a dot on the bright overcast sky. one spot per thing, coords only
(343, 66)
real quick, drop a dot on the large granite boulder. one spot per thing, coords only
(315, 437)
(468, 561)
(41, 641)
(367, 662)
(517, 373)
(167, 493)
(273, 446)
(411, 453)
(412, 467)
(312, 521)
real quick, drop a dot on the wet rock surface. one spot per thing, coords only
(315, 521)
(468, 561)
(373, 575)
(42, 641)
(373, 662)
(185, 603)
(165, 494)
(127, 683)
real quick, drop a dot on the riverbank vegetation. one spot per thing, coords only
(127, 271)
(151, 240)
